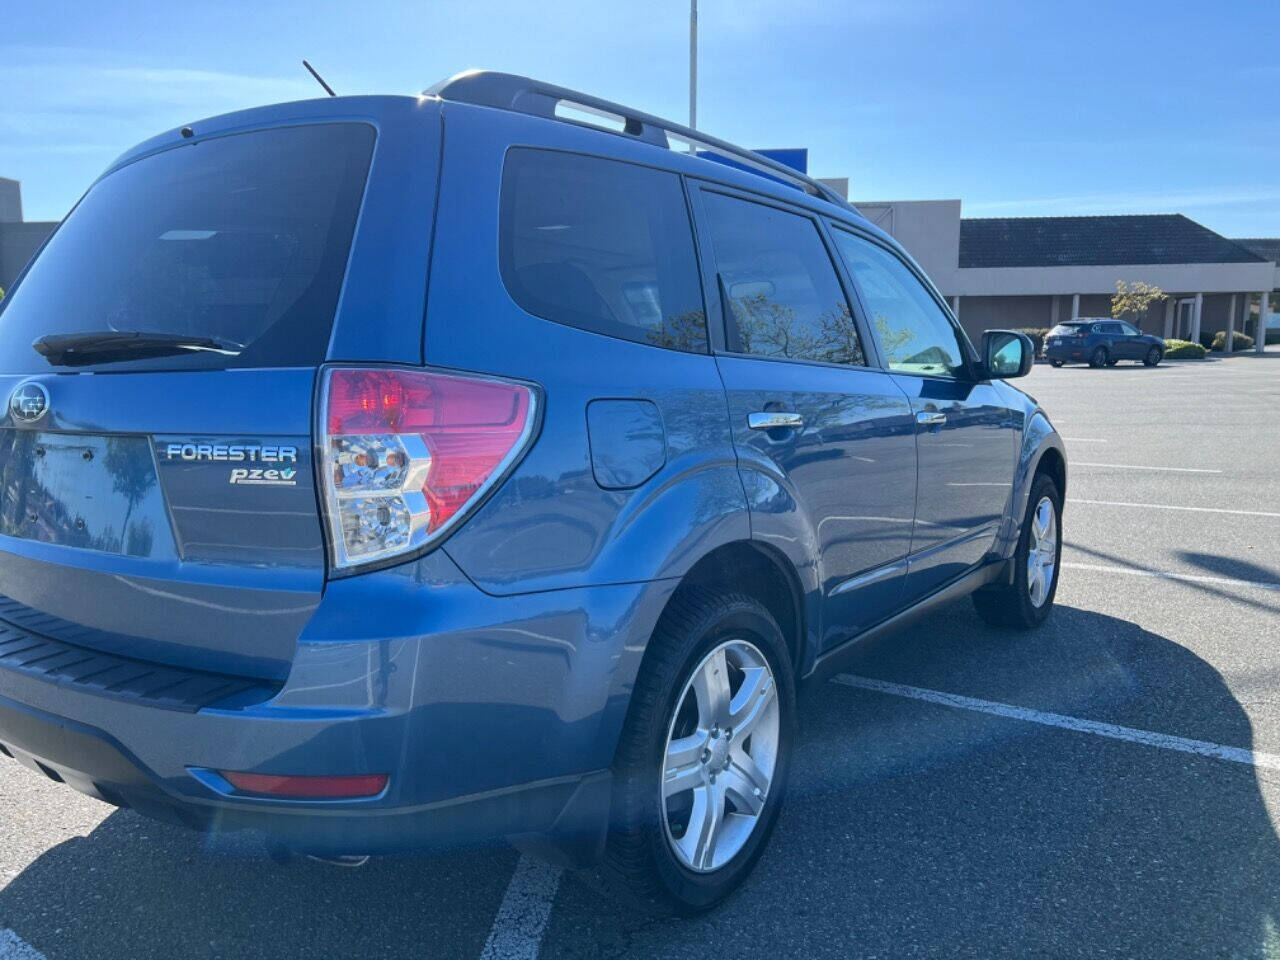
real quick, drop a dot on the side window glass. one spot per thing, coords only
(915, 334)
(783, 296)
(601, 245)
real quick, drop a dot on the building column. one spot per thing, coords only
(1195, 318)
(1260, 344)
(1075, 306)
(955, 306)
(1053, 312)
(1231, 325)
(1170, 305)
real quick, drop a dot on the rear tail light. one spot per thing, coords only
(406, 453)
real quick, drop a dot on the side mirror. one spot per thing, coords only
(1006, 354)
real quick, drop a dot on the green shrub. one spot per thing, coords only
(1238, 342)
(1183, 350)
(1206, 340)
(1273, 336)
(1037, 335)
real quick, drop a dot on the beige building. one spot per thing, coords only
(1037, 271)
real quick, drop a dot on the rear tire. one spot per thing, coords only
(1024, 604)
(650, 850)
(1152, 358)
(1098, 358)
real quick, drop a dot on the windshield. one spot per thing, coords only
(237, 240)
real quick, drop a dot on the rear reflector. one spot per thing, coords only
(407, 452)
(308, 788)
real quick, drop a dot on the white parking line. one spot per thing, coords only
(1164, 575)
(1138, 466)
(1164, 741)
(1170, 506)
(13, 947)
(517, 930)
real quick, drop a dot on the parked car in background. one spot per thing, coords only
(1101, 342)
(466, 472)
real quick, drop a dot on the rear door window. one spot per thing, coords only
(240, 239)
(781, 288)
(602, 245)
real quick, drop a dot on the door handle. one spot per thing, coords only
(774, 420)
(931, 418)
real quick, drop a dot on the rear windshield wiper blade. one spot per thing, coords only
(78, 349)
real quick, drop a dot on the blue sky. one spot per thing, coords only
(1018, 108)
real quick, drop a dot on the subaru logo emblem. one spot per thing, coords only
(29, 401)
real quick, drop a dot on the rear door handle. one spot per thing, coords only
(774, 420)
(931, 418)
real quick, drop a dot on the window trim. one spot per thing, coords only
(697, 187)
(969, 354)
(708, 349)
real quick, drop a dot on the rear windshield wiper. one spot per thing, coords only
(94, 346)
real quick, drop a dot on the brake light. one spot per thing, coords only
(405, 453)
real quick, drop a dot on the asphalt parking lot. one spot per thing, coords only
(1110, 786)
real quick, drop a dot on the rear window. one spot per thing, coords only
(601, 245)
(1067, 329)
(241, 238)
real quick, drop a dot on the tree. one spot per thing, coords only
(1133, 300)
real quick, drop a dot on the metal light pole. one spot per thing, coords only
(693, 69)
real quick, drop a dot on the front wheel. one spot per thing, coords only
(703, 761)
(1027, 600)
(1056, 363)
(1152, 357)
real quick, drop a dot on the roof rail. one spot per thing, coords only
(506, 91)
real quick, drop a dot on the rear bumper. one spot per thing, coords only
(1065, 353)
(492, 716)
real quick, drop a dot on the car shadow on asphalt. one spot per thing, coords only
(134, 888)
(919, 830)
(911, 830)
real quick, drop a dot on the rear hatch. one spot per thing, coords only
(157, 495)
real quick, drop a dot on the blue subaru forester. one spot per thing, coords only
(382, 472)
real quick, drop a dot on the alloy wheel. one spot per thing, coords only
(1042, 552)
(721, 754)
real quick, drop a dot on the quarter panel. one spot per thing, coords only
(552, 525)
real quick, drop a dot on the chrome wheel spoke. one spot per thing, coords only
(684, 769)
(745, 783)
(711, 688)
(751, 701)
(705, 821)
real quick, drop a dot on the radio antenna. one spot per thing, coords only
(319, 79)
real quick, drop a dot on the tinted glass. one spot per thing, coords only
(915, 334)
(783, 295)
(1067, 330)
(1127, 330)
(241, 238)
(602, 245)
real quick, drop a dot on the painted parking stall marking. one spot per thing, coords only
(1163, 741)
(1138, 466)
(522, 917)
(1165, 575)
(1170, 506)
(13, 947)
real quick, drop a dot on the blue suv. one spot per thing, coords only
(381, 472)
